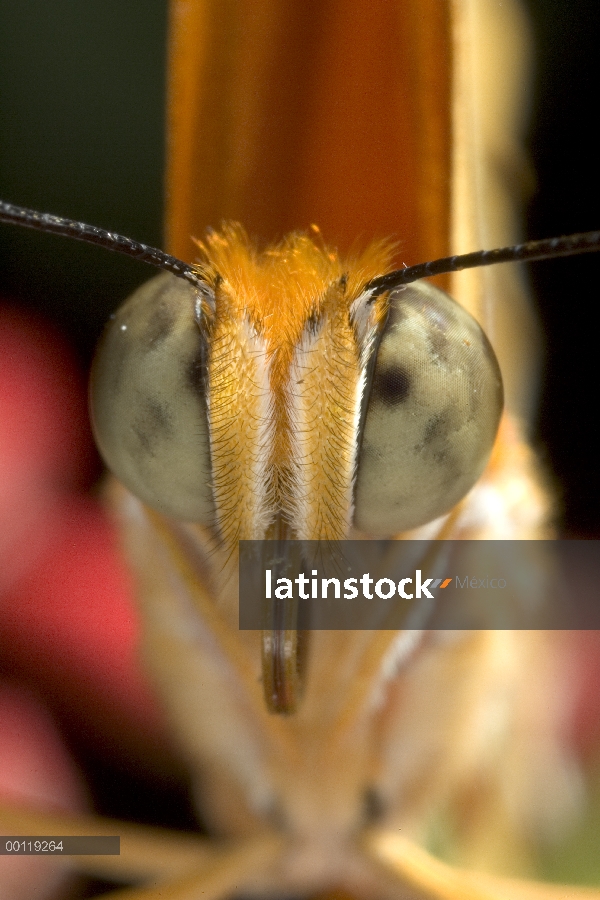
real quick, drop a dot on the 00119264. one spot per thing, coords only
(325, 234)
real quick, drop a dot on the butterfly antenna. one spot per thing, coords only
(550, 248)
(90, 234)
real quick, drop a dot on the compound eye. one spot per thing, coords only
(432, 407)
(148, 400)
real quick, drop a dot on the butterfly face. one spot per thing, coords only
(286, 396)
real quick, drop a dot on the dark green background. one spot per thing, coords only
(81, 117)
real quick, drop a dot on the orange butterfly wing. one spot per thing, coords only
(284, 114)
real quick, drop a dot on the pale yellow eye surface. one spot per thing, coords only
(148, 400)
(433, 404)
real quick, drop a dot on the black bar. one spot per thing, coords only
(51, 845)
(411, 585)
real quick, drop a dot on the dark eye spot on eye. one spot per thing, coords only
(160, 323)
(436, 442)
(158, 416)
(435, 437)
(436, 429)
(152, 422)
(391, 385)
(373, 806)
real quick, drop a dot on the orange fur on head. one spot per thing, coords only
(286, 374)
